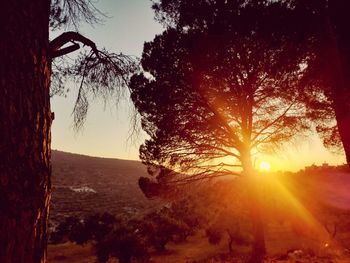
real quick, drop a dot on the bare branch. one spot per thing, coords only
(273, 122)
(69, 13)
(67, 37)
(65, 51)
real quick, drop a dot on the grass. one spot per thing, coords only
(195, 249)
(279, 240)
(72, 253)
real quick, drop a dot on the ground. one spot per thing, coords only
(296, 240)
(198, 250)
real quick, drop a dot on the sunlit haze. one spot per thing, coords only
(264, 166)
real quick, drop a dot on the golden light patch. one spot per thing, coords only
(264, 166)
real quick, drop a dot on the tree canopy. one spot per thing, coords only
(317, 29)
(210, 103)
(214, 96)
(220, 87)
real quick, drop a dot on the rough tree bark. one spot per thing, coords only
(24, 130)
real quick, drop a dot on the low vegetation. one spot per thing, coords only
(214, 226)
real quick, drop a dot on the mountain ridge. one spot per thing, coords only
(56, 151)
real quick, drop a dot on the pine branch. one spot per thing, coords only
(66, 37)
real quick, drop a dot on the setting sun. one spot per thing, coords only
(264, 166)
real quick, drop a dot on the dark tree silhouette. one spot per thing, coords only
(111, 236)
(160, 227)
(95, 227)
(215, 96)
(232, 221)
(325, 42)
(318, 29)
(67, 230)
(27, 56)
(124, 243)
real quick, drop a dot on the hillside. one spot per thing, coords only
(85, 185)
(295, 228)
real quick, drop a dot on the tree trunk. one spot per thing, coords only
(340, 85)
(258, 249)
(230, 242)
(342, 115)
(339, 69)
(25, 130)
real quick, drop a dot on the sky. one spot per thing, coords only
(106, 133)
(129, 23)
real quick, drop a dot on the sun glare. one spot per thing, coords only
(264, 166)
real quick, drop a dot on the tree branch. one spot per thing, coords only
(63, 51)
(273, 122)
(61, 40)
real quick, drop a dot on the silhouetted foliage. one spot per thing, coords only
(231, 218)
(214, 236)
(212, 96)
(188, 211)
(218, 92)
(112, 237)
(98, 72)
(72, 228)
(235, 226)
(95, 227)
(159, 228)
(318, 32)
(124, 243)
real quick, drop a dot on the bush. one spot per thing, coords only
(159, 228)
(64, 230)
(214, 235)
(80, 231)
(124, 243)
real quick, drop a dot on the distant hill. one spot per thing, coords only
(85, 185)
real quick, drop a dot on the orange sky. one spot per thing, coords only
(295, 156)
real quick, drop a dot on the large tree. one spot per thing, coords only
(26, 69)
(212, 101)
(318, 29)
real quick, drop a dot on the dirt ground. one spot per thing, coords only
(198, 250)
